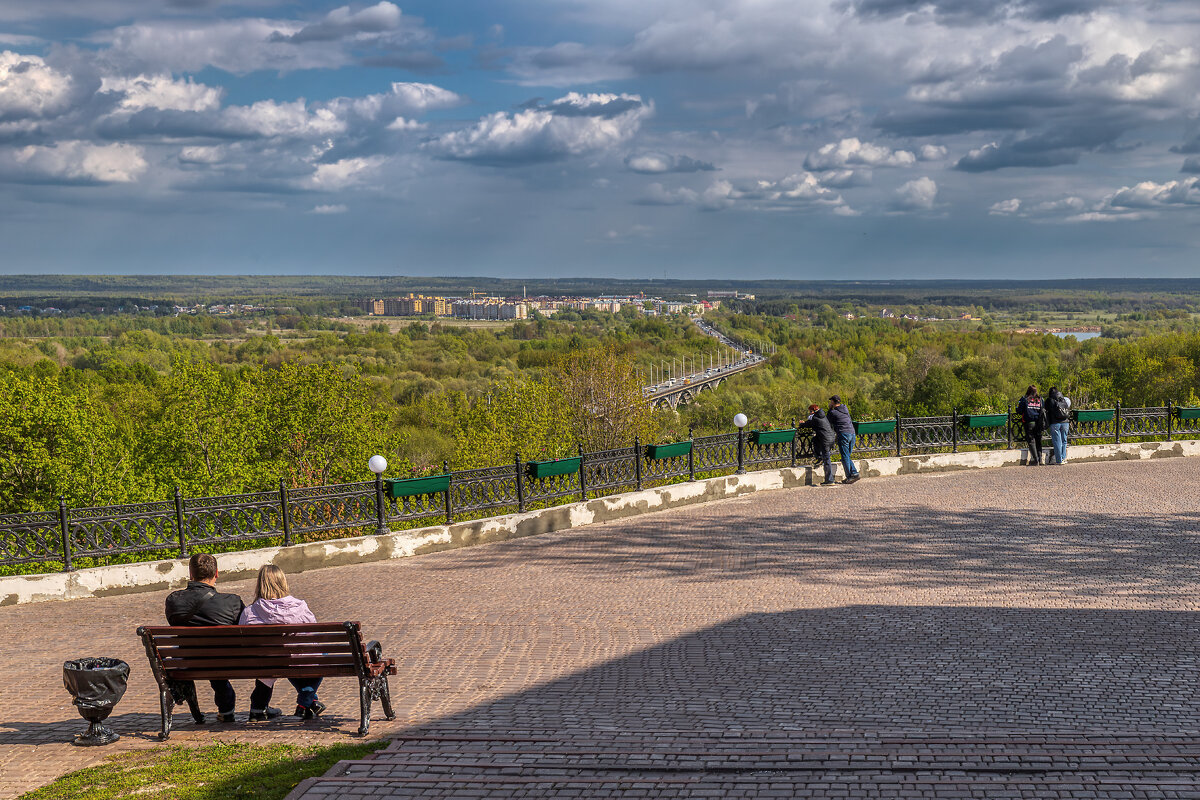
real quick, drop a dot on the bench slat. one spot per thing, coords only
(202, 630)
(320, 649)
(326, 671)
(248, 640)
(254, 660)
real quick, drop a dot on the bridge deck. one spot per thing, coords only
(921, 636)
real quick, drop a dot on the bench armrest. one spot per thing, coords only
(374, 651)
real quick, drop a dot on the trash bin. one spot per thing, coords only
(97, 684)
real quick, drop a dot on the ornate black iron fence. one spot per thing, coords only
(70, 537)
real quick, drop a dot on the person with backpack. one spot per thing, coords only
(1033, 415)
(823, 439)
(1058, 414)
(843, 427)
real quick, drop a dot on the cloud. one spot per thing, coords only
(799, 190)
(652, 163)
(573, 125)
(658, 195)
(30, 89)
(73, 162)
(852, 152)
(916, 195)
(1191, 165)
(342, 174)
(162, 92)
(342, 22)
(1005, 207)
(337, 208)
(931, 152)
(1149, 195)
(967, 12)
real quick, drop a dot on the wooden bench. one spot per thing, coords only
(232, 652)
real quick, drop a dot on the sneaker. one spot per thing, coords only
(225, 717)
(314, 711)
(851, 479)
(829, 483)
(263, 716)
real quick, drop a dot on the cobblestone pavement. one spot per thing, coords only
(1005, 633)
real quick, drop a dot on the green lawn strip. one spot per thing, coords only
(225, 771)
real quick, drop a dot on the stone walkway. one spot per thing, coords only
(1004, 633)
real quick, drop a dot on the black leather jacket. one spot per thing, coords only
(200, 605)
(820, 427)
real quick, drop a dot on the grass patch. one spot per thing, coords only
(211, 772)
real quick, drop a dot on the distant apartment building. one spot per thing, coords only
(488, 309)
(735, 295)
(410, 306)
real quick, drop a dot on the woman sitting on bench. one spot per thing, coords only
(274, 605)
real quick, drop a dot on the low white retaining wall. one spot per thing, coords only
(154, 576)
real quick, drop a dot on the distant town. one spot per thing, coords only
(503, 308)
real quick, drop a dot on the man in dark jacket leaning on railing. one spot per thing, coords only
(823, 439)
(843, 426)
(200, 605)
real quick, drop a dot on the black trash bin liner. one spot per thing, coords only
(96, 683)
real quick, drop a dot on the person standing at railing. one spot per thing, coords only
(843, 427)
(1032, 413)
(823, 439)
(1058, 414)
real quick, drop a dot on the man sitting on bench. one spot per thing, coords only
(200, 605)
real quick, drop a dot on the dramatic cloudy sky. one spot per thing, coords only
(632, 138)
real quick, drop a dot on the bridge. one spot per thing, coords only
(973, 634)
(672, 392)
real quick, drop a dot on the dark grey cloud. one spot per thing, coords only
(342, 22)
(1052, 148)
(1191, 165)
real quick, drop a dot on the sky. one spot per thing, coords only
(682, 139)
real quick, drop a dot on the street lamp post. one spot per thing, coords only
(740, 420)
(378, 464)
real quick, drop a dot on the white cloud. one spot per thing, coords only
(29, 88)
(342, 174)
(402, 124)
(268, 118)
(402, 99)
(931, 152)
(1149, 194)
(77, 162)
(1005, 207)
(658, 195)
(573, 125)
(202, 155)
(162, 92)
(916, 195)
(853, 152)
(336, 208)
(342, 22)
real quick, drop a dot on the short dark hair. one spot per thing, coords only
(203, 567)
(835, 399)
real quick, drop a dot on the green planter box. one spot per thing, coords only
(875, 426)
(559, 466)
(772, 437)
(1096, 415)
(668, 450)
(414, 486)
(984, 420)
(1185, 412)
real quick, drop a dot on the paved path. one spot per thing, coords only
(1010, 633)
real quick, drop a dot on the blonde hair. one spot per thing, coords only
(272, 584)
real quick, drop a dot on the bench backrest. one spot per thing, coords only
(256, 651)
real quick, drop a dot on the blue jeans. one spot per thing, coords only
(845, 443)
(306, 693)
(223, 695)
(1058, 438)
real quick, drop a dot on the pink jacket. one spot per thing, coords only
(284, 611)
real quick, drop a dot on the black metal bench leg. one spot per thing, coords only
(364, 702)
(385, 697)
(167, 703)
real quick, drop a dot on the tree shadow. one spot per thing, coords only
(907, 547)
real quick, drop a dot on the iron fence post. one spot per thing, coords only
(582, 475)
(65, 530)
(741, 468)
(449, 487)
(691, 454)
(954, 429)
(285, 515)
(1008, 426)
(1117, 422)
(381, 527)
(179, 529)
(520, 484)
(795, 430)
(1170, 408)
(637, 461)
(899, 435)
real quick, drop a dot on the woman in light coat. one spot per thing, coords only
(274, 605)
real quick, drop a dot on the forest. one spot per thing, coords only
(124, 408)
